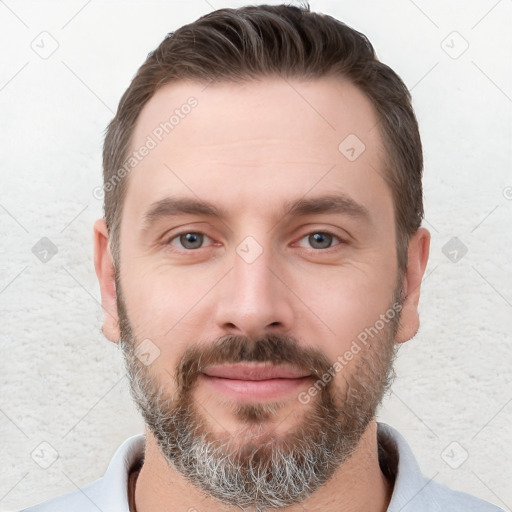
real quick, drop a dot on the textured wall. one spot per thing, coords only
(63, 384)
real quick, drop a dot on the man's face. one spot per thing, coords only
(297, 261)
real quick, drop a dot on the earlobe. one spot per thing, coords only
(419, 246)
(104, 267)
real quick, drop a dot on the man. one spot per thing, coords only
(259, 262)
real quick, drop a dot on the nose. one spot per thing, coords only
(254, 299)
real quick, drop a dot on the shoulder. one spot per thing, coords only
(439, 497)
(81, 500)
(412, 491)
(108, 493)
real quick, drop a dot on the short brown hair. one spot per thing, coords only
(267, 41)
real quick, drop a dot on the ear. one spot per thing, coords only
(103, 263)
(417, 258)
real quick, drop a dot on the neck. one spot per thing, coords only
(358, 485)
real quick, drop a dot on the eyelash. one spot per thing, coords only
(322, 232)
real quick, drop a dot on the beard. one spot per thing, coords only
(255, 467)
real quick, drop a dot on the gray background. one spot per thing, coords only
(64, 404)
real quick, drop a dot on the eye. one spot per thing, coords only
(188, 240)
(320, 239)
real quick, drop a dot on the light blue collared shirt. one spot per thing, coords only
(412, 492)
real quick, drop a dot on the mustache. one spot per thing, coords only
(271, 349)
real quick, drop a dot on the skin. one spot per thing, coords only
(249, 149)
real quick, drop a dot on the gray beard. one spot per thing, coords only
(255, 468)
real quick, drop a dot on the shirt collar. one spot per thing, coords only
(409, 481)
(394, 452)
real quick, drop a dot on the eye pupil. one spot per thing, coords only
(320, 240)
(191, 240)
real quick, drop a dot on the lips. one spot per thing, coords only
(251, 372)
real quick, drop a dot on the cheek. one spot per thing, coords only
(169, 305)
(346, 300)
(170, 310)
(354, 316)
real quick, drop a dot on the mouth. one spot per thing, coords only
(254, 381)
(254, 372)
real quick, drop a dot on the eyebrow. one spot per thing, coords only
(173, 206)
(339, 204)
(334, 204)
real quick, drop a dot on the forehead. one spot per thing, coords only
(257, 141)
(327, 109)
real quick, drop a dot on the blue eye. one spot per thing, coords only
(190, 240)
(321, 240)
